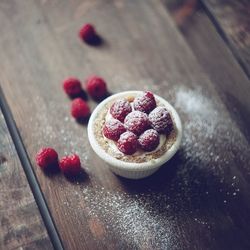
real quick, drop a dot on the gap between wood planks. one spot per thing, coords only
(242, 60)
(32, 180)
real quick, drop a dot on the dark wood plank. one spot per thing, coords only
(199, 200)
(207, 44)
(21, 223)
(233, 18)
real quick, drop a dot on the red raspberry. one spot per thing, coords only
(136, 122)
(87, 33)
(113, 129)
(96, 87)
(120, 109)
(145, 103)
(127, 143)
(47, 158)
(79, 109)
(70, 165)
(149, 140)
(72, 87)
(160, 120)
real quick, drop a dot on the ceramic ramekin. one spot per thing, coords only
(128, 169)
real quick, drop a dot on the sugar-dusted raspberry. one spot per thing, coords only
(87, 33)
(96, 87)
(47, 158)
(70, 165)
(160, 120)
(136, 122)
(145, 103)
(80, 109)
(149, 140)
(113, 129)
(127, 143)
(120, 109)
(72, 87)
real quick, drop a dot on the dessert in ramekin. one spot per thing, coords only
(135, 132)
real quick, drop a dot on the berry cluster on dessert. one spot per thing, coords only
(135, 132)
(137, 123)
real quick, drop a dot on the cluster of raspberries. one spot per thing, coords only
(47, 159)
(95, 86)
(138, 127)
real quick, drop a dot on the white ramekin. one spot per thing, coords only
(128, 169)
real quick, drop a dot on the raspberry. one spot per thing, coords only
(88, 33)
(79, 109)
(72, 87)
(136, 122)
(127, 143)
(145, 103)
(120, 109)
(70, 165)
(160, 120)
(149, 140)
(113, 129)
(47, 158)
(96, 87)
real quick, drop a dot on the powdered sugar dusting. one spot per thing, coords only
(211, 143)
(206, 128)
(132, 218)
(146, 217)
(62, 133)
(203, 174)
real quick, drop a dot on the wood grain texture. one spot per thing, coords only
(233, 18)
(199, 200)
(181, 10)
(225, 72)
(21, 223)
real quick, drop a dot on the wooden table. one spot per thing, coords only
(196, 55)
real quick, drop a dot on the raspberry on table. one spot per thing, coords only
(145, 103)
(149, 140)
(70, 165)
(160, 119)
(113, 129)
(72, 87)
(88, 33)
(127, 143)
(80, 109)
(96, 87)
(47, 158)
(120, 109)
(136, 122)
